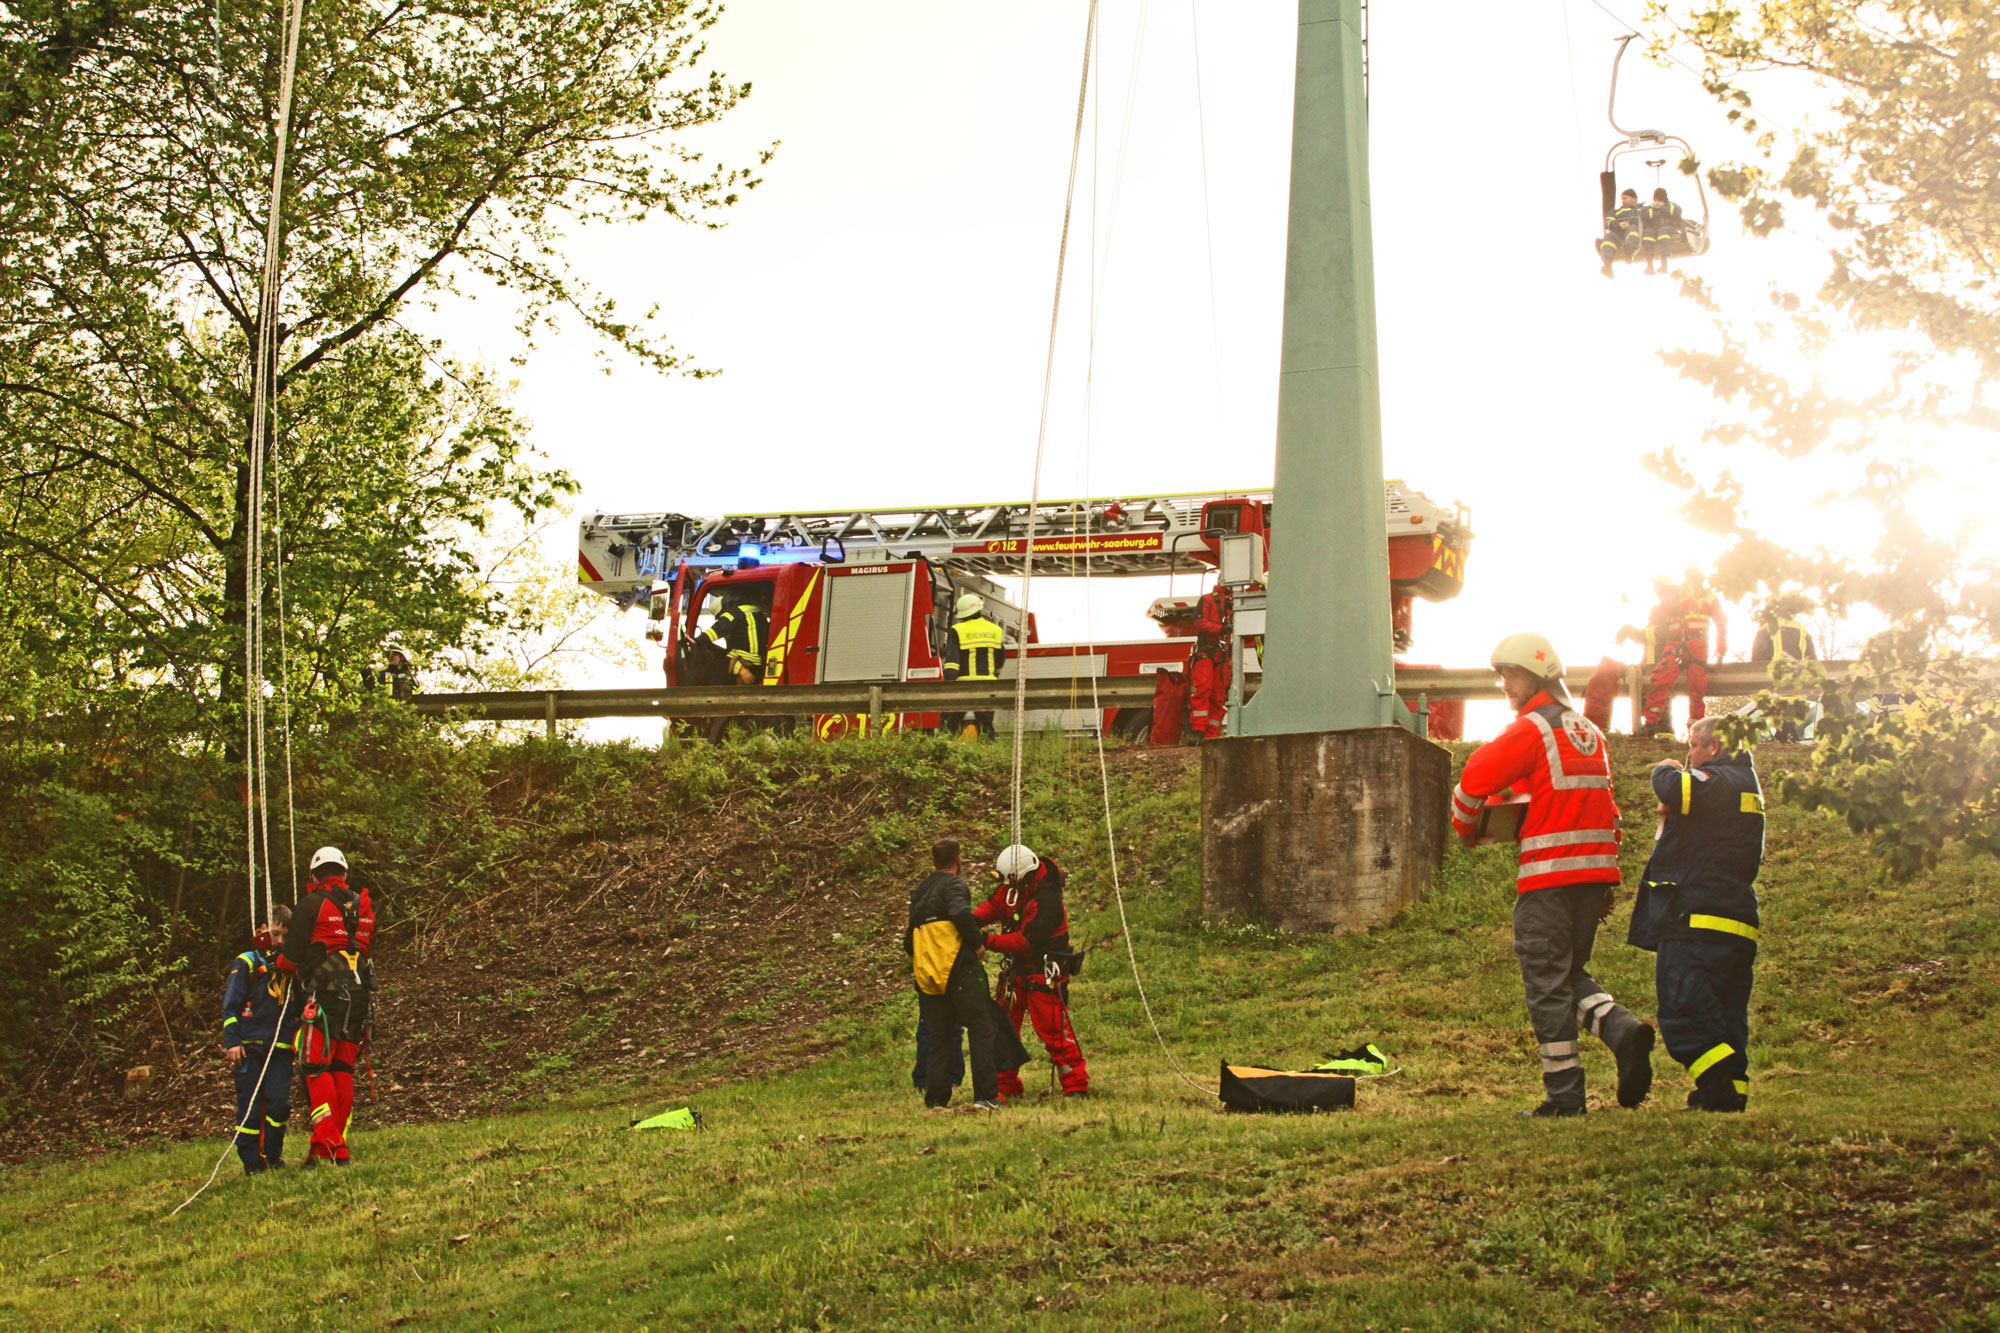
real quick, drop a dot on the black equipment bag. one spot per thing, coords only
(1252, 1088)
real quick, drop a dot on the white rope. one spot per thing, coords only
(256, 1106)
(1042, 430)
(255, 756)
(284, 669)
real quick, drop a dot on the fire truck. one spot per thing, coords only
(868, 595)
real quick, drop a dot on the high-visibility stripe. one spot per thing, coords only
(1559, 1048)
(1710, 1058)
(1557, 1065)
(1723, 923)
(1542, 841)
(1687, 790)
(1752, 803)
(1559, 864)
(274, 1124)
(1591, 1009)
(782, 641)
(1560, 779)
(1742, 1086)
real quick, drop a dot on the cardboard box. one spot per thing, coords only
(1500, 820)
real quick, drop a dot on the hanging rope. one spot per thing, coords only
(1042, 430)
(256, 775)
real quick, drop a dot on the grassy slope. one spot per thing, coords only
(1859, 1192)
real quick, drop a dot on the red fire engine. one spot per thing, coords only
(867, 596)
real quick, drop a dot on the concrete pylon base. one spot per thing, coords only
(1321, 832)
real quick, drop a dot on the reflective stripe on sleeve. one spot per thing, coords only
(1545, 840)
(1723, 923)
(1557, 865)
(1752, 803)
(1687, 791)
(1710, 1058)
(1463, 805)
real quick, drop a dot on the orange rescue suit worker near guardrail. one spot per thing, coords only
(1034, 939)
(1697, 908)
(1208, 669)
(1677, 638)
(977, 651)
(326, 947)
(1567, 871)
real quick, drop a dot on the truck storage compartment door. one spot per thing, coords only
(867, 629)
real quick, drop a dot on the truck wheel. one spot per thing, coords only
(1133, 724)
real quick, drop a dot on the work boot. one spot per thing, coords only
(986, 1105)
(1722, 1098)
(1080, 1092)
(1635, 1066)
(1551, 1111)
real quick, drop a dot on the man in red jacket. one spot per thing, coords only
(326, 946)
(1208, 667)
(1567, 872)
(1034, 940)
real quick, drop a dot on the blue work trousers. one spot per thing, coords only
(261, 1113)
(1703, 985)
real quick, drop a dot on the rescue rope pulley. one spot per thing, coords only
(1693, 235)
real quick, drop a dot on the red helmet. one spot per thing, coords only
(263, 937)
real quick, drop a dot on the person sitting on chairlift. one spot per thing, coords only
(1624, 235)
(1663, 225)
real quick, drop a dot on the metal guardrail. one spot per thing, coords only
(1434, 684)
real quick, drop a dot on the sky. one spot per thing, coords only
(879, 307)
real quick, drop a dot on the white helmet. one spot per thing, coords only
(970, 604)
(1530, 652)
(1016, 862)
(328, 856)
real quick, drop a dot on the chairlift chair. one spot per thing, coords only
(1694, 236)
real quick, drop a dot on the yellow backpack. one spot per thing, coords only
(934, 948)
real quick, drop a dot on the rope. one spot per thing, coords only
(256, 797)
(1042, 430)
(284, 672)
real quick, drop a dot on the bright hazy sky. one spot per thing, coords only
(880, 306)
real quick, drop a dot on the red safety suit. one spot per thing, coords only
(1677, 637)
(1170, 695)
(1034, 926)
(1208, 671)
(327, 946)
(1570, 832)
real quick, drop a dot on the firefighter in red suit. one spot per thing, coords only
(326, 946)
(1034, 940)
(1677, 636)
(1208, 671)
(1567, 871)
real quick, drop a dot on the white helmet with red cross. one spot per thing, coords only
(1530, 652)
(1016, 863)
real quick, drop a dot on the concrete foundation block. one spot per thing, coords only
(1321, 832)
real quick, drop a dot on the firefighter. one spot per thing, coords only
(395, 675)
(1027, 904)
(326, 947)
(742, 629)
(1567, 873)
(260, 1026)
(977, 651)
(1661, 224)
(1794, 642)
(1697, 907)
(1624, 232)
(1208, 667)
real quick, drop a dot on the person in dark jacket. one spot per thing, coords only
(1663, 225)
(1697, 908)
(326, 947)
(961, 1001)
(1028, 906)
(1624, 232)
(260, 1026)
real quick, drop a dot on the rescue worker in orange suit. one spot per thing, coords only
(1697, 908)
(326, 948)
(1677, 638)
(1208, 669)
(1033, 941)
(260, 1027)
(1567, 871)
(977, 651)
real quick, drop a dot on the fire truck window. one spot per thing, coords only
(1226, 518)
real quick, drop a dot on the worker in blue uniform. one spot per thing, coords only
(1624, 231)
(259, 1009)
(1697, 909)
(1663, 225)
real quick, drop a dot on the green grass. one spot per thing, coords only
(1858, 1193)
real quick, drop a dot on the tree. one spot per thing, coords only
(430, 143)
(1898, 180)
